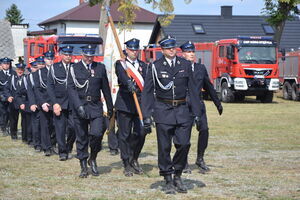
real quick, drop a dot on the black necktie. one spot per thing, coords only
(172, 64)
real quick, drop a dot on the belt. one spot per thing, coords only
(90, 98)
(175, 102)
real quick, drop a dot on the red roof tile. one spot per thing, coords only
(84, 12)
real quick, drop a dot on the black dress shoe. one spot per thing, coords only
(94, 167)
(84, 169)
(38, 149)
(187, 169)
(114, 152)
(169, 188)
(48, 152)
(127, 171)
(63, 157)
(179, 186)
(201, 164)
(136, 167)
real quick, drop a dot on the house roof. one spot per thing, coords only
(84, 12)
(6, 40)
(217, 27)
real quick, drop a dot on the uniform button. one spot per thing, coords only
(173, 77)
(174, 86)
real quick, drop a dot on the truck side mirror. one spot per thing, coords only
(282, 54)
(229, 52)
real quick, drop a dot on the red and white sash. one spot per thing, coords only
(134, 73)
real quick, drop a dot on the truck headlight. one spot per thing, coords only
(274, 84)
(240, 84)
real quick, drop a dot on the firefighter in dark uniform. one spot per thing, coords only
(44, 102)
(131, 136)
(57, 91)
(86, 81)
(168, 81)
(23, 104)
(202, 82)
(14, 86)
(35, 116)
(5, 75)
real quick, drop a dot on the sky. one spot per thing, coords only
(36, 11)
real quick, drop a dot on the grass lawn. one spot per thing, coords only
(253, 153)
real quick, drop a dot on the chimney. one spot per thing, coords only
(226, 12)
(81, 2)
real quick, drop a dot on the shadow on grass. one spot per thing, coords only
(145, 154)
(189, 183)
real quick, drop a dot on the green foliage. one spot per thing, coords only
(279, 11)
(13, 15)
(128, 8)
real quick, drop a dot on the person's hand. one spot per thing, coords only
(220, 109)
(147, 125)
(10, 99)
(45, 107)
(198, 123)
(81, 112)
(22, 106)
(56, 109)
(33, 108)
(131, 87)
(110, 113)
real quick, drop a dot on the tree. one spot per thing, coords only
(128, 8)
(13, 15)
(278, 11)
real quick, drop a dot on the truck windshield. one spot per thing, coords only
(77, 50)
(257, 55)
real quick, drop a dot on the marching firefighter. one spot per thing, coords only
(44, 102)
(57, 91)
(86, 81)
(5, 75)
(23, 104)
(14, 86)
(131, 136)
(202, 82)
(168, 82)
(35, 110)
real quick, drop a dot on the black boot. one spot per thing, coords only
(84, 169)
(93, 164)
(136, 166)
(127, 168)
(180, 187)
(187, 169)
(201, 164)
(169, 188)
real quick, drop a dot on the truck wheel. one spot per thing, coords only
(239, 97)
(295, 93)
(287, 91)
(267, 97)
(226, 93)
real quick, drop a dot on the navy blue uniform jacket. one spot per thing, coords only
(184, 83)
(124, 101)
(98, 82)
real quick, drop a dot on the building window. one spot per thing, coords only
(198, 28)
(268, 29)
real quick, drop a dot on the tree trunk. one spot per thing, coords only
(278, 32)
(103, 20)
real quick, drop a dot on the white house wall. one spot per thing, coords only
(139, 31)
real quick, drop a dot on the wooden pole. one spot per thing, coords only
(137, 105)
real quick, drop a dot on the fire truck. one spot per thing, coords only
(239, 67)
(36, 46)
(289, 75)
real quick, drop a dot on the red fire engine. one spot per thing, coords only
(289, 75)
(36, 46)
(244, 66)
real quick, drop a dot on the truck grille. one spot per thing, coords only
(256, 71)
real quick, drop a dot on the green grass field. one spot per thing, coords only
(253, 153)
